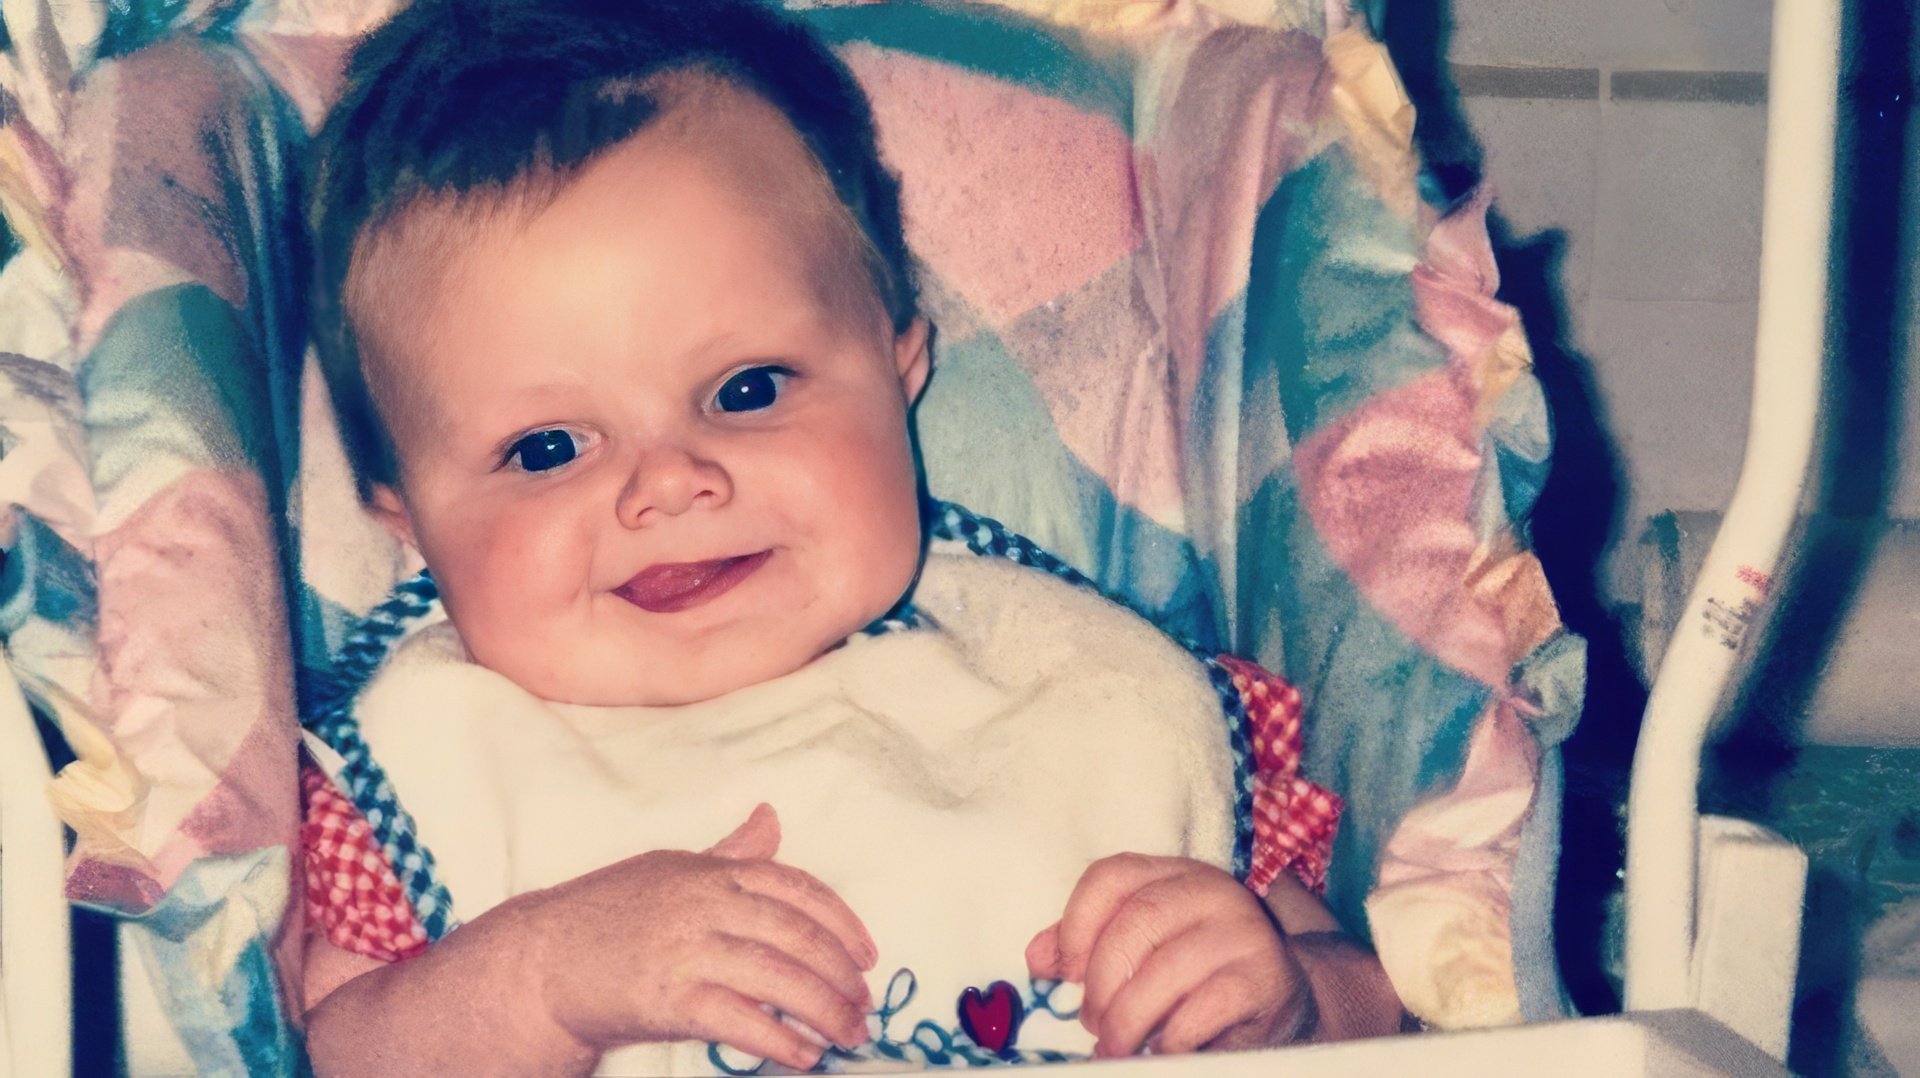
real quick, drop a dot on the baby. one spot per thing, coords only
(619, 325)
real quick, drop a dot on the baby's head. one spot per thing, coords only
(617, 317)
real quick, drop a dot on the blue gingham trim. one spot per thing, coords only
(333, 720)
(331, 717)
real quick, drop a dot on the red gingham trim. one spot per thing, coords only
(352, 893)
(1293, 820)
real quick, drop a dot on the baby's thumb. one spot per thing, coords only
(1043, 954)
(758, 838)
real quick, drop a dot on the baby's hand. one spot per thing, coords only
(1174, 954)
(674, 945)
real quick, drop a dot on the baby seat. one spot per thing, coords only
(1204, 332)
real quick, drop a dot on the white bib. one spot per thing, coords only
(951, 784)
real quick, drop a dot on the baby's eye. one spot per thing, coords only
(751, 390)
(542, 451)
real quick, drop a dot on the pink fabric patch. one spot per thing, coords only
(1244, 115)
(195, 679)
(1095, 359)
(1011, 197)
(1389, 489)
(1464, 321)
(114, 886)
(306, 66)
(143, 210)
(1453, 290)
(1441, 907)
(1472, 831)
(253, 805)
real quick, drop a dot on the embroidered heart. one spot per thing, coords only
(992, 1018)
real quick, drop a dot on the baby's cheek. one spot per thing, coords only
(870, 482)
(525, 556)
(518, 596)
(882, 556)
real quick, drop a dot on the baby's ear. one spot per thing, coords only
(913, 356)
(387, 507)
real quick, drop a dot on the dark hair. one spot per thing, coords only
(459, 96)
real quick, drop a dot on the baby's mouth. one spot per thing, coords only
(671, 588)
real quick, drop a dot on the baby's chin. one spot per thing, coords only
(708, 674)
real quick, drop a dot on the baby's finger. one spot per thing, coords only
(724, 1016)
(816, 900)
(1149, 997)
(1043, 954)
(1149, 918)
(756, 839)
(767, 974)
(1103, 889)
(789, 930)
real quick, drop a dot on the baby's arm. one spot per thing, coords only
(469, 1005)
(669, 945)
(1177, 954)
(1352, 996)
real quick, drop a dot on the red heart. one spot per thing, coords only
(992, 1019)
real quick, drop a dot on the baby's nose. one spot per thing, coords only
(669, 481)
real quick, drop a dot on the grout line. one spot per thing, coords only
(1724, 87)
(1556, 83)
(1585, 83)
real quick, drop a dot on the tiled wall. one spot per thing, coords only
(1636, 129)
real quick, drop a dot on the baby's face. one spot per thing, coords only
(653, 440)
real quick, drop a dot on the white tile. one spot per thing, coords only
(1906, 489)
(1541, 158)
(1677, 207)
(1688, 35)
(1907, 494)
(1675, 381)
(1565, 33)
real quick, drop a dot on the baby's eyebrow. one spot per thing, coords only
(556, 391)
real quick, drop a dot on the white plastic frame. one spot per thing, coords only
(1722, 613)
(36, 975)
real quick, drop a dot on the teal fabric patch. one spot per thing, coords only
(1855, 810)
(1236, 440)
(269, 1045)
(1330, 300)
(240, 1026)
(1554, 678)
(987, 442)
(1388, 724)
(263, 143)
(1046, 59)
(43, 577)
(1522, 437)
(170, 380)
(135, 24)
(1520, 483)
